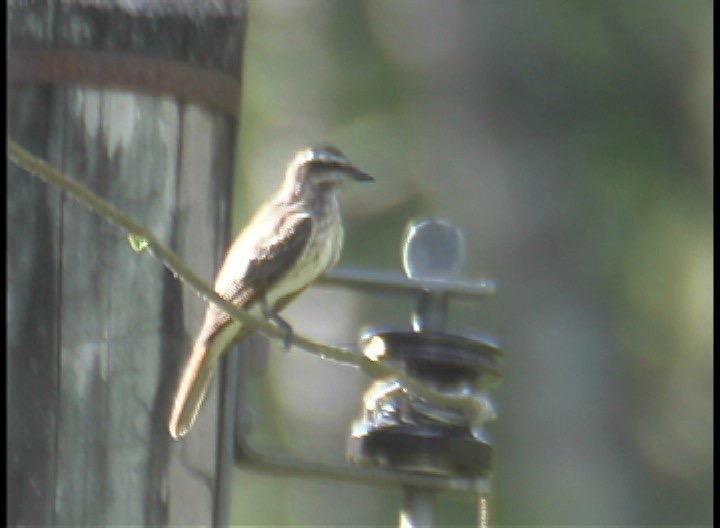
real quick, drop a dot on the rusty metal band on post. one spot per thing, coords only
(211, 89)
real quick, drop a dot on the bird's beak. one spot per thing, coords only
(358, 175)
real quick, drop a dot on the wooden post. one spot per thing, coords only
(137, 100)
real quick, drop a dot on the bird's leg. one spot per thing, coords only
(273, 316)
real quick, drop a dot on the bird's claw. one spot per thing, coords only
(285, 327)
(288, 339)
(281, 323)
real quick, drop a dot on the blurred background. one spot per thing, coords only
(571, 140)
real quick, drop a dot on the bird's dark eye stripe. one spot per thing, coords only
(327, 164)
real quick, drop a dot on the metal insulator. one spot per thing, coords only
(399, 429)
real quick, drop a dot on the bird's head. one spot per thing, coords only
(321, 168)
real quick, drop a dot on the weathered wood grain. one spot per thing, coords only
(97, 333)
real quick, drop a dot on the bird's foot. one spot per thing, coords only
(273, 316)
(287, 340)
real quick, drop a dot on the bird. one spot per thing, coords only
(290, 241)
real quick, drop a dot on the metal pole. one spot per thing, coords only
(432, 250)
(226, 439)
(419, 503)
(483, 511)
(424, 242)
(418, 507)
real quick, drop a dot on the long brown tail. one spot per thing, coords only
(212, 342)
(194, 383)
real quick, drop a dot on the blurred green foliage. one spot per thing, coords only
(571, 140)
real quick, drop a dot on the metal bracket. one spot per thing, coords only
(433, 256)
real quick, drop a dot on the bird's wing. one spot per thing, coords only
(271, 249)
(266, 250)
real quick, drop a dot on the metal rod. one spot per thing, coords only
(393, 283)
(226, 441)
(430, 315)
(418, 508)
(281, 464)
(483, 511)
